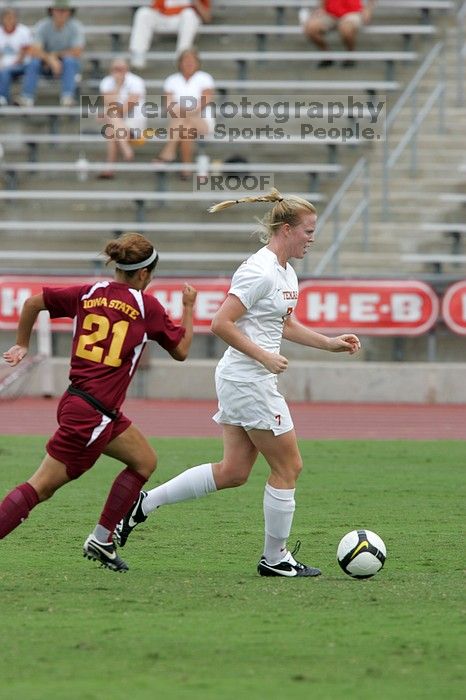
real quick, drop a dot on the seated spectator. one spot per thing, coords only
(345, 15)
(195, 117)
(58, 44)
(15, 42)
(124, 95)
(181, 17)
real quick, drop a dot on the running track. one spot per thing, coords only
(35, 416)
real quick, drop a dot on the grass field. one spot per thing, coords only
(192, 619)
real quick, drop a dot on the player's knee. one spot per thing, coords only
(297, 466)
(45, 492)
(292, 469)
(151, 462)
(146, 464)
(229, 476)
(237, 479)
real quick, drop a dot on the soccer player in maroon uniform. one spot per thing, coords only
(113, 321)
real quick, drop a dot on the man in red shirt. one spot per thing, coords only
(113, 321)
(345, 15)
(181, 17)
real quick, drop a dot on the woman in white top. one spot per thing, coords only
(15, 42)
(255, 316)
(124, 94)
(188, 93)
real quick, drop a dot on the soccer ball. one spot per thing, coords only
(361, 553)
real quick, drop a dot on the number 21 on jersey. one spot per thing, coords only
(101, 329)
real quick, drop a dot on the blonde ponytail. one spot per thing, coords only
(272, 196)
(286, 210)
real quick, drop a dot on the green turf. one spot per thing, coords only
(191, 619)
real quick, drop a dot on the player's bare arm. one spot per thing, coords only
(31, 309)
(296, 332)
(223, 325)
(181, 351)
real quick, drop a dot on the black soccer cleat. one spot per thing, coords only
(133, 517)
(288, 566)
(105, 553)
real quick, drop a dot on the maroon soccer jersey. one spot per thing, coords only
(112, 324)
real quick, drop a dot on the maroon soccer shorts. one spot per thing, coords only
(83, 434)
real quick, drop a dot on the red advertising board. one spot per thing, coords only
(367, 307)
(454, 308)
(211, 292)
(388, 307)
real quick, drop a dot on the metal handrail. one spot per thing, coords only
(332, 213)
(412, 85)
(460, 52)
(391, 156)
(361, 169)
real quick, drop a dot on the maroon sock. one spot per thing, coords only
(16, 507)
(124, 491)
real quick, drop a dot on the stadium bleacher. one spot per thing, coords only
(242, 59)
(43, 144)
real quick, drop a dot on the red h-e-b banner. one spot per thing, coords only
(389, 307)
(211, 292)
(454, 308)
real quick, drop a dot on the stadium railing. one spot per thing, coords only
(451, 230)
(266, 87)
(460, 52)
(139, 198)
(117, 227)
(243, 58)
(425, 6)
(434, 60)
(330, 218)
(263, 31)
(33, 140)
(453, 197)
(196, 262)
(161, 171)
(436, 261)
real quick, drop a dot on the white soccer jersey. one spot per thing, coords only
(270, 293)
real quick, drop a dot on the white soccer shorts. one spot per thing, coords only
(253, 406)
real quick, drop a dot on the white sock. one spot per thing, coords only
(192, 483)
(279, 506)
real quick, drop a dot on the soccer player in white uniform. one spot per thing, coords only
(255, 316)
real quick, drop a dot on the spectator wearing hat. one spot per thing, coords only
(56, 52)
(181, 17)
(15, 42)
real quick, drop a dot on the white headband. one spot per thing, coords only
(139, 265)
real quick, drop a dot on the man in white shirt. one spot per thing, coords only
(15, 41)
(181, 17)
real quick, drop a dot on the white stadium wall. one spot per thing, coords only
(304, 381)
